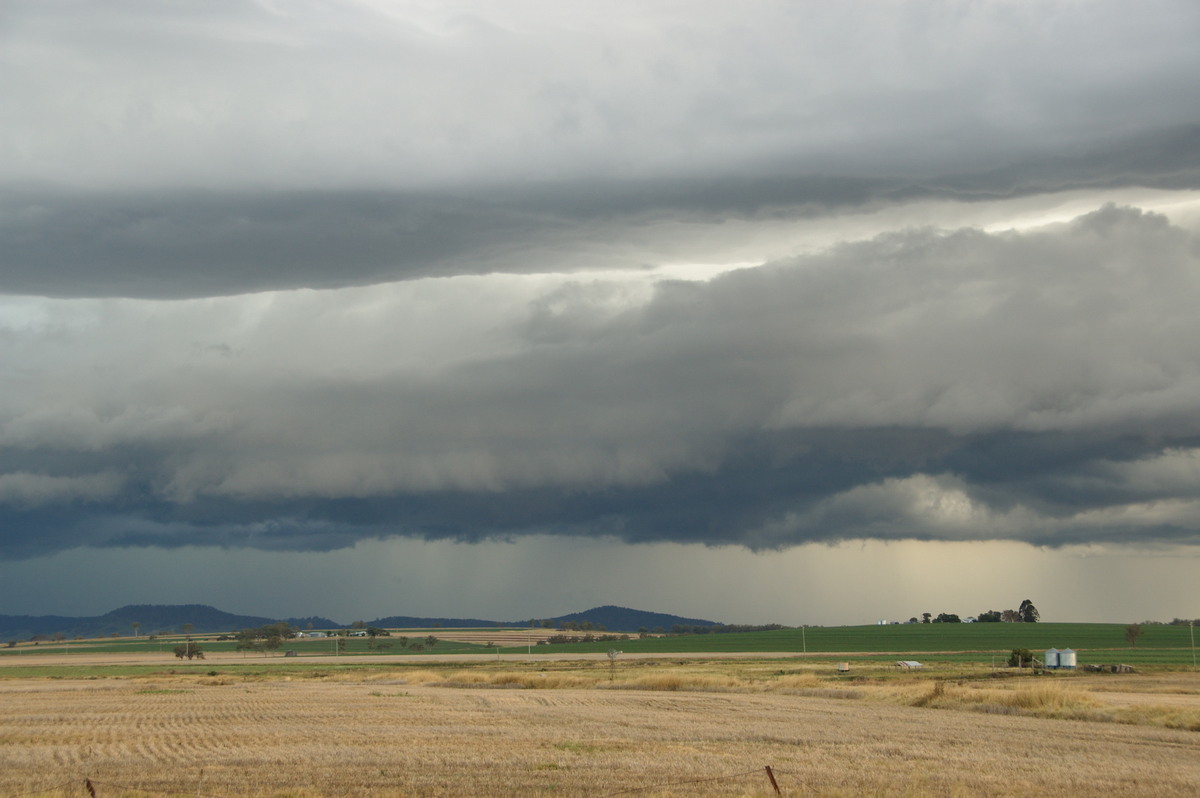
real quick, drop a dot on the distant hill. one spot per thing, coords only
(614, 619)
(311, 622)
(154, 618)
(23, 627)
(409, 622)
(623, 619)
(170, 619)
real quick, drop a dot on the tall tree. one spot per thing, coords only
(246, 641)
(1028, 612)
(1132, 632)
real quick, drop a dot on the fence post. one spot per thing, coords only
(771, 776)
(91, 790)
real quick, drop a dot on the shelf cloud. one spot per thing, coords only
(950, 384)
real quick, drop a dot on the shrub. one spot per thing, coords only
(1020, 658)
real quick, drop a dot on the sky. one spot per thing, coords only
(782, 312)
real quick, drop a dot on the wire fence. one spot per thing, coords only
(767, 778)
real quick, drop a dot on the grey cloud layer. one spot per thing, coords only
(288, 276)
(187, 244)
(397, 95)
(1039, 386)
(156, 150)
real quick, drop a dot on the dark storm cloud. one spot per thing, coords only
(170, 151)
(172, 245)
(760, 497)
(1038, 386)
(218, 225)
(222, 244)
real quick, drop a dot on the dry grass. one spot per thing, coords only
(1045, 700)
(660, 729)
(1064, 700)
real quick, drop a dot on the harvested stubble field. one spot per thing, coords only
(694, 728)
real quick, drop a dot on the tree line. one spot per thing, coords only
(1026, 613)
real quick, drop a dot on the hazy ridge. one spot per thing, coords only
(171, 618)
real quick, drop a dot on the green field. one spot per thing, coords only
(1094, 643)
(1161, 644)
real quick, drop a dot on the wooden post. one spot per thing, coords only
(771, 776)
(91, 790)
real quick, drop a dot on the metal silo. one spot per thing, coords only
(1066, 658)
(1052, 657)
